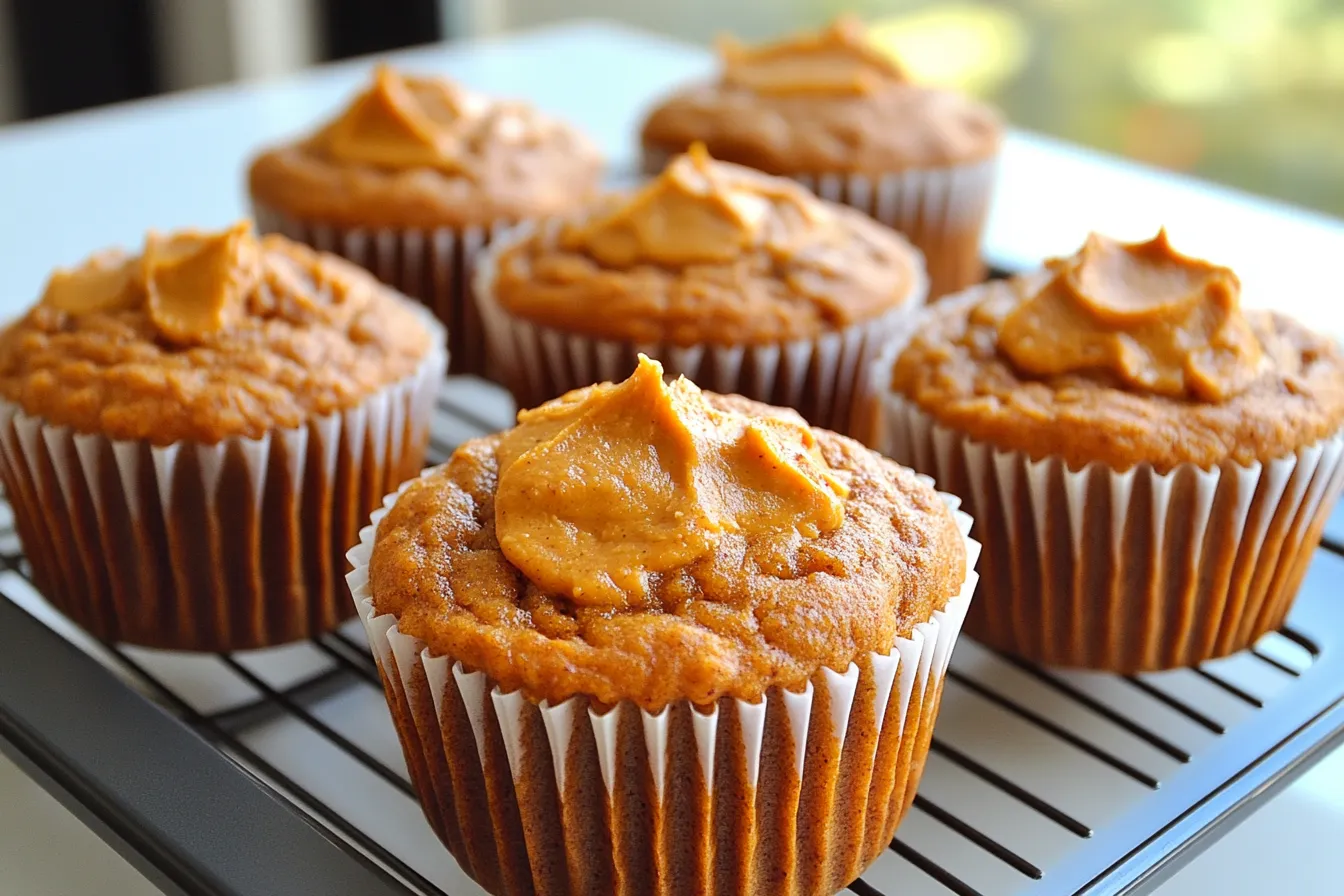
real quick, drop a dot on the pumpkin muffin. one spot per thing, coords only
(835, 112)
(191, 436)
(655, 639)
(745, 282)
(1149, 465)
(413, 178)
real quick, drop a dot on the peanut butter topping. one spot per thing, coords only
(756, 611)
(191, 284)
(204, 336)
(608, 485)
(425, 152)
(403, 122)
(954, 368)
(1157, 321)
(698, 211)
(195, 282)
(103, 283)
(836, 60)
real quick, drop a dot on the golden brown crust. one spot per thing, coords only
(548, 180)
(855, 270)
(952, 369)
(899, 127)
(753, 616)
(314, 335)
(414, 151)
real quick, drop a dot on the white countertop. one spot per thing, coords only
(81, 182)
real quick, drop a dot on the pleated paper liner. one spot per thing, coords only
(1128, 570)
(214, 547)
(942, 211)
(816, 376)
(432, 265)
(795, 794)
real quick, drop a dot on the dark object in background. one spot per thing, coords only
(358, 27)
(72, 54)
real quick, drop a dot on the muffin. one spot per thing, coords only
(744, 282)
(665, 639)
(1148, 464)
(413, 178)
(839, 115)
(191, 437)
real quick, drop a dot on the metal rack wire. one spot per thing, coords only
(1039, 781)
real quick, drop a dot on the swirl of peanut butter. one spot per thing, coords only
(1157, 321)
(839, 59)
(698, 211)
(402, 121)
(191, 284)
(605, 487)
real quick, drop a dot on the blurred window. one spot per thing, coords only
(1247, 92)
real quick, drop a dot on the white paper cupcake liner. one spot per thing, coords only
(433, 265)
(942, 211)
(794, 794)
(1123, 570)
(817, 377)
(214, 547)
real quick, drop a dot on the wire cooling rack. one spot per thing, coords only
(1039, 781)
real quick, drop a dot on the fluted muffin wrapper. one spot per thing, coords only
(224, 546)
(1123, 570)
(817, 376)
(942, 211)
(796, 793)
(430, 264)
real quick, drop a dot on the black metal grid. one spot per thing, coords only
(1256, 721)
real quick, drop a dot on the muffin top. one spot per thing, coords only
(707, 252)
(425, 152)
(1124, 354)
(204, 336)
(830, 101)
(650, 542)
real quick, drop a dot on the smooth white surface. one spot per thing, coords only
(71, 185)
(1291, 845)
(46, 851)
